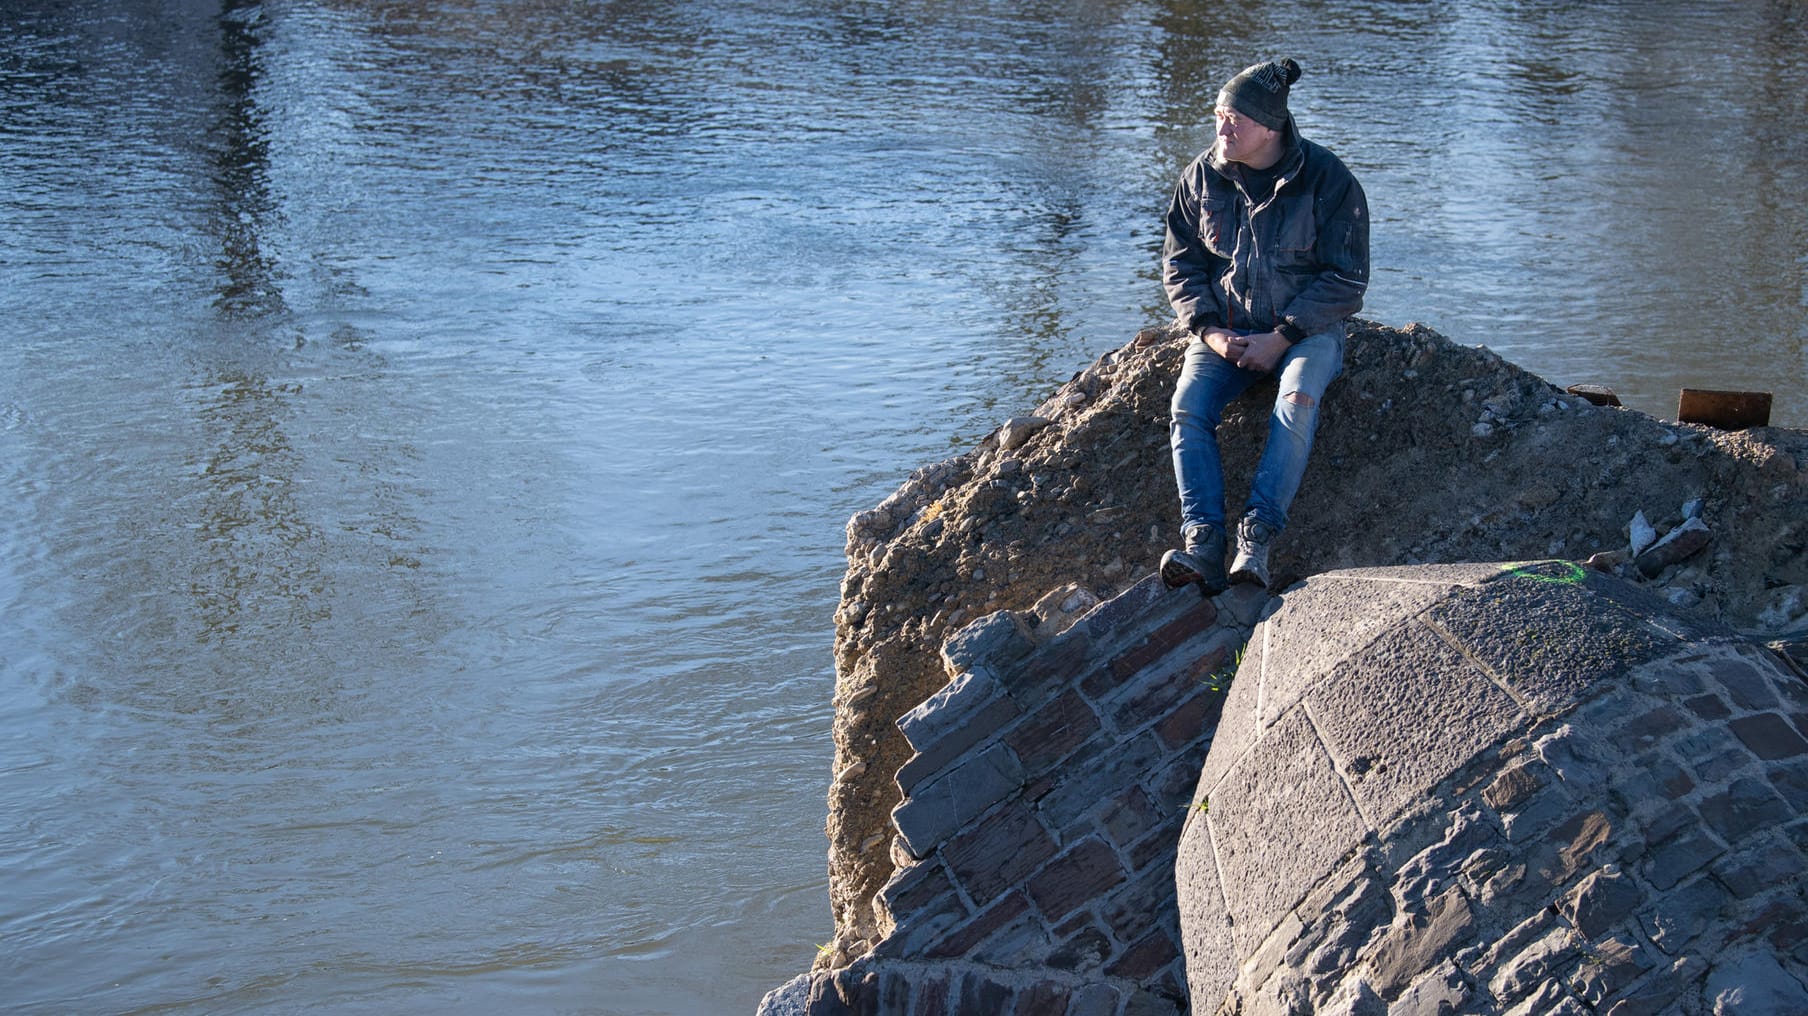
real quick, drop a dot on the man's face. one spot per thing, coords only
(1241, 136)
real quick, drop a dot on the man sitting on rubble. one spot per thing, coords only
(1267, 255)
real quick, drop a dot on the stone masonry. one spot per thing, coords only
(1041, 812)
(1491, 789)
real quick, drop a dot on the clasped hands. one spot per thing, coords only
(1258, 352)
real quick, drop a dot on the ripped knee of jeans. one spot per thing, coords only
(1298, 412)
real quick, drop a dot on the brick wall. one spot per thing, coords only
(1041, 813)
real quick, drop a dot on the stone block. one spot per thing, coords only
(1075, 878)
(964, 939)
(1601, 901)
(1056, 665)
(1664, 617)
(1648, 729)
(1750, 689)
(1353, 997)
(1709, 707)
(1082, 788)
(1245, 604)
(1537, 814)
(1157, 848)
(1023, 944)
(895, 991)
(1129, 817)
(1745, 807)
(957, 740)
(1056, 728)
(1443, 861)
(826, 998)
(1547, 998)
(924, 920)
(1348, 924)
(1322, 623)
(1753, 982)
(1658, 992)
(1211, 955)
(789, 999)
(1094, 1000)
(1238, 721)
(857, 987)
(1545, 960)
(1648, 781)
(1550, 641)
(1281, 820)
(1712, 753)
(1577, 758)
(1042, 1000)
(980, 992)
(913, 887)
(932, 996)
(1790, 780)
(1767, 864)
(1374, 722)
(1151, 694)
(1667, 822)
(1442, 992)
(1258, 967)
(949, 709)
(1608, 966)
(1163, 640)
(1146, 900)
(1677, 917)
(1769, 736)
(1419, 942)
(1174, 784)
(1159, 999)
(1670, 679)
(1081, 946)
(1576, 844)
(999, 639)
(941, 807)
(1146, 956)
(1680, 856)
(1132, 606)
(1514, 785)
(991, 857)
(1194, 719)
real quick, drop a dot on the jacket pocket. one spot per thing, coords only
(1218, 225)
(1296, 242)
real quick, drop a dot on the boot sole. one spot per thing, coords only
(1176, 572)
(1243, 575)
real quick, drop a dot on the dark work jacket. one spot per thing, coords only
(1300, 257)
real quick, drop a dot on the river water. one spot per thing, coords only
(426, 429)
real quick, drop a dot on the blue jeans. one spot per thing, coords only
(1207, 384)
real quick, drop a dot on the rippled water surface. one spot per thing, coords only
(426, 429)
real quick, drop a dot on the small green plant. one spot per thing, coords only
(1220, 679)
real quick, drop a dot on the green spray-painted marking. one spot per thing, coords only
(1571, 573)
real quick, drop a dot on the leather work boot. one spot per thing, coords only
(1202, 561)
(1251, 564)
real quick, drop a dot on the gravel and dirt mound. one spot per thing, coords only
(1427, 452)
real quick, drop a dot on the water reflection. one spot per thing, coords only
(242, 156)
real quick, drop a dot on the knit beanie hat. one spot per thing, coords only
(1259, 92)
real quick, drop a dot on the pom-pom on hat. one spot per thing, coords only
(1259, 92)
